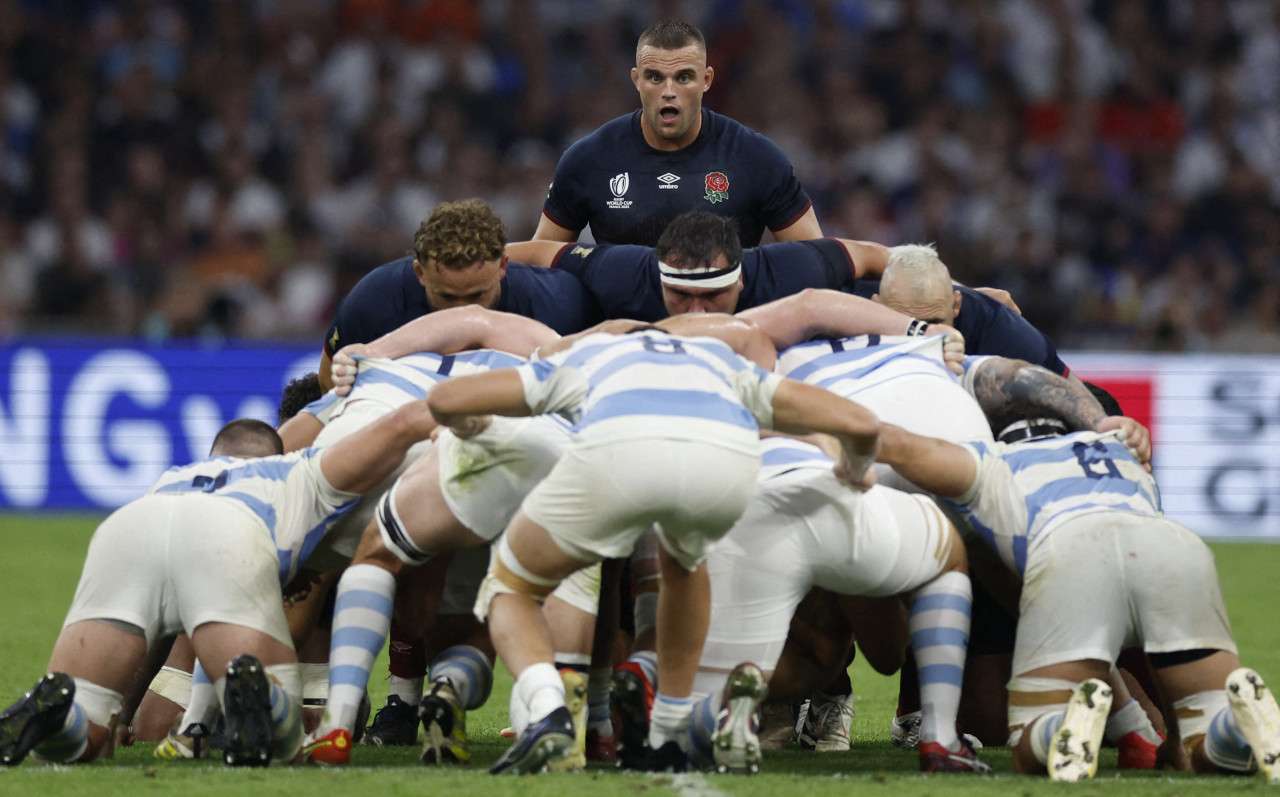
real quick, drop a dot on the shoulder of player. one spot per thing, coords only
(727, 130)
(387, 278)
(606, 137)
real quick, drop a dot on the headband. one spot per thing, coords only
(699, 277)
(1031, 429)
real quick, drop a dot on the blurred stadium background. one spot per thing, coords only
(187, 189)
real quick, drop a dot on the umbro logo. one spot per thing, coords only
(668, 180)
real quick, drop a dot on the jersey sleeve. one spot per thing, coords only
(755, 387)
(550, 387)
(566, 202)
(971, 365)
(374, 307)
(995, 506)
(622, 279)
(782, 199)
(329, 497)
(777, 270)
(1003, 332)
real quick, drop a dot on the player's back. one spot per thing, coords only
(1024, 491)
(287, 494)
(903, 380)
(651, 384)
(383, 385)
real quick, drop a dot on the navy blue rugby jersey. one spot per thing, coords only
(989, 327)
(390, 296)
(624, 281)
(628, 192)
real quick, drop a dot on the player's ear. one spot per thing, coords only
(502, 267)
(635, 77)
(875, 297)
(957, 299)
(419, 271)
(706, 79)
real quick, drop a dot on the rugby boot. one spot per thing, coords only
(1135, 752)
(575, 700)
(192, 742)
(1073, 749)
(248, 731)
(543, 741)
(1254, 708)
(735, 744)
(331, 750)
(670, 757)
(632, 699)
(936, 758)
(395, 725)
(38, 715)
(445, 724)
(904, 730)
(825, 723)
(600, 747)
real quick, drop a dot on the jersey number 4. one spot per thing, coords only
(1096, 461)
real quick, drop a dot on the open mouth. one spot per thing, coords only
(668, 113)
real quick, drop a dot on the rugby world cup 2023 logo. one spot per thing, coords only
(717, 187)
(619, 184)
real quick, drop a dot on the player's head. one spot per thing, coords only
(1031, 429)
(671, 74)
(459, 255)
(917, 282)
(700, 263)
(246, 437)
(297, 394)
(1109, 403)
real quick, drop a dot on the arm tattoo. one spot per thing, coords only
(1011, 390)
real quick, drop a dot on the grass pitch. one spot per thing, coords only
(41, 564)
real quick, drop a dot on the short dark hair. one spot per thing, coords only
(246, 437)
(1110, 405)
(297, 394)
(697, 237)
(671, 35)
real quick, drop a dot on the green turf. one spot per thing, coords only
(40, 565)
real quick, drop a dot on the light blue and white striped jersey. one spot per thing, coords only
(847, 365)
(903, 380)
(287, 494)
(1024, 491)
(779, 455)
(397, 382)
(651, 384)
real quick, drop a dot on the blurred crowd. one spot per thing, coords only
(231, 168)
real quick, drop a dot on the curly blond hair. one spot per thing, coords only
(460, 234)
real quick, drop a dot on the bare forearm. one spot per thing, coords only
(461, 328)
(869, 259)
(496, 392)
(357, 463)
(935, 465)
(742, 335)
(1010, 390)
(816, 311)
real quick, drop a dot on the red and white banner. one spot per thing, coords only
(1215, 427)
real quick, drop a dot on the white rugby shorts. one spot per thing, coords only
(1106, 580)
(168, 564)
